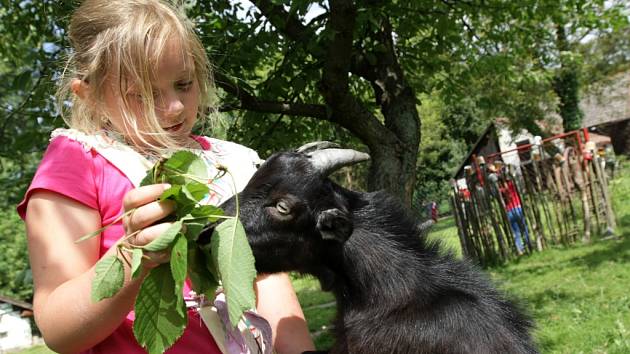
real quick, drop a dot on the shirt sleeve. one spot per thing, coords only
(67, 168)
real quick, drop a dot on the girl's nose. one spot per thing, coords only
(172, 106)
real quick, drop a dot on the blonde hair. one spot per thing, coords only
(124, 39)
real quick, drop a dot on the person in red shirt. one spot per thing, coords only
(514, 213)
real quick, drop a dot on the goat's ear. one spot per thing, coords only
(334, 224)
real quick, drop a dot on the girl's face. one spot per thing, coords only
(175, 95)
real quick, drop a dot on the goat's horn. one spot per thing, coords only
(328, 161)
(316, 145)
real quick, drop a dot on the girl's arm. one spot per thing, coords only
(63, 270)
(278, 304)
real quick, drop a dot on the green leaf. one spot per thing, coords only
(136, 261)
(193, 229)
(206, 250)
(185, 162)
(109, 278)
(203, 281)
(183, 209)
(153, 174)
(23, 81)
(165, 239)
(187, 198)
(171, 193)
(160, 317)
(195, 190)
(179, 264)
(210, 211)
(234, 261)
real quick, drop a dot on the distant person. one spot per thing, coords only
(514, 212)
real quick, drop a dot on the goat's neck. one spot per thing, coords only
(382, 272)
(384, 260)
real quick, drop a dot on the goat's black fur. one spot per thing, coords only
(396, 292)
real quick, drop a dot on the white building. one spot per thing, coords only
(15, 330)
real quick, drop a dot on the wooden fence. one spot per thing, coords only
(561, 188)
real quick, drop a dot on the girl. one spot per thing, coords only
(138, 79)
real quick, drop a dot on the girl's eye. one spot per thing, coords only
(140, 97)
(135, 96)
(184, 86)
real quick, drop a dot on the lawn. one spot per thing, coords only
(579, 296)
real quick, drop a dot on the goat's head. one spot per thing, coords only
(292, 213)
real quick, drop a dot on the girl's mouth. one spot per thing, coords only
(174, 128)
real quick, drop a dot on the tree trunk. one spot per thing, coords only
(394, 165)
(394, 144)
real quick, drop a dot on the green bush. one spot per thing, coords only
(15, 275)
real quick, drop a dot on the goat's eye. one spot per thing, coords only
(283, 207)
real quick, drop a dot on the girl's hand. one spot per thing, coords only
(141, 225)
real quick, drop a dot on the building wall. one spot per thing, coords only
(507, 142)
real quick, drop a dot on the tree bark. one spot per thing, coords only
(398, 105)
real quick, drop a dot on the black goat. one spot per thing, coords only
(396, 292)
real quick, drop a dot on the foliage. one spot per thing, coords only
(606, 56)
(15, 276)
(31, 38)
(277, 61)
(521, 72)
(566, 85)
(324, 61)
(161, 314)
(15, 175)
(279, 65)
(448, 132)
(517, 54)
(485, 60)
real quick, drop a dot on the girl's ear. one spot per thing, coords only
(79, 88)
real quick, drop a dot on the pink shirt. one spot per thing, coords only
(84, 175)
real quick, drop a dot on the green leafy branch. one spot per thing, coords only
(226, 261)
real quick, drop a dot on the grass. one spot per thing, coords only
(39, 349)
(578, 295)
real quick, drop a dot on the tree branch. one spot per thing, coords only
(250, 102)
(336, 55)
(18, 110)
(289, 24)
